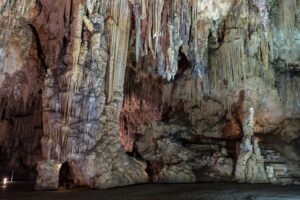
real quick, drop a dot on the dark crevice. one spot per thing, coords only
(40, 53)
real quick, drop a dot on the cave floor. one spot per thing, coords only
(203, 191)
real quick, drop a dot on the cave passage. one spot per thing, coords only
(65, 176)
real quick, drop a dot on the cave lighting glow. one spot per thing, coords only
(4, 181)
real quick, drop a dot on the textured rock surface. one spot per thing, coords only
(134, 91)
(48, 178)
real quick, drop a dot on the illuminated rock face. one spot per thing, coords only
(168, 82)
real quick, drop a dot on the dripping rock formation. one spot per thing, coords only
(120, 92)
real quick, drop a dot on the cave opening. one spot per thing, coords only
(66, 180)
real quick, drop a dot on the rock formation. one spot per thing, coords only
(136, 91)
(250, 163)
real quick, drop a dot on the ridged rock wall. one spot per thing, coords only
(21, 84)
(83, 93)
(201, 131)
(200, 90)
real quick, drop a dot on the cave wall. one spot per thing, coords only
(201, 131)
(135, 91)
(21, 83)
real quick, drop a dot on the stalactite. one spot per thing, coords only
(287, 20)
(264, 13)
(167, 26)
(76, 73)
(119, 26)
(138, 36)
(90, 5)
(21, 7)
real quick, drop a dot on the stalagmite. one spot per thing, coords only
(250, 164)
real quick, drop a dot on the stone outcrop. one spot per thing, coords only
(134, 91)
